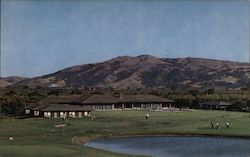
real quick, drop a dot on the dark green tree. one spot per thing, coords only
(13, 102)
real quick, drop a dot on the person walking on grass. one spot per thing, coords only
(212, 125)
(217, 125)
(227, 125)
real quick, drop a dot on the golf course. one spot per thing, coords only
(48, 137)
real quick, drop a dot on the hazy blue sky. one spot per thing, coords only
(40, 37)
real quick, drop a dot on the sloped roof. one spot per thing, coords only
(81, 98)
(60, 99)
(216, 103)
(66, 107)
(52, 99)
(104, 99)
(222, 103)
(62, 102)
(144, 99)
(31, 106)
(40, 107)
(107, 99)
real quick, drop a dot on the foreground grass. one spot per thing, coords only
(39, 137)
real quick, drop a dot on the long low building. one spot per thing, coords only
(147, 102)
(77, 106)
(215, 105)
(57, 110)
(61, 106)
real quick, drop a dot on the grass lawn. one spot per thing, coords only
(38, 136)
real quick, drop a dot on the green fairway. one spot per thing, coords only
(40, 137)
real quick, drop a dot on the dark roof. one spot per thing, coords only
(81, 98)
(40, 107)
(222, 103)
(109, 99)
(216, 103)
(60, 99)
(66, 107)
(31, 106)
(101, 99)
(36, 106)
(144, 99)
(65, 103)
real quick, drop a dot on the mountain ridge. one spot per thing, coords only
(146, 71)
(10, 80)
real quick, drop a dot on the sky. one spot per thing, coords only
(41, 37)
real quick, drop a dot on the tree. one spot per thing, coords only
(210, 91)
(238, 106)
(13, 102)
(194, 92)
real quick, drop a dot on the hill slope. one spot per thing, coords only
(7, 81)
(147, 71)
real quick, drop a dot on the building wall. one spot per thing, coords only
(135, 106)
(71, 114)
(214, 107)
(117, 106)
(103, 107)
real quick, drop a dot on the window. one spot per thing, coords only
(72, 114)
(55, 114)
(118, 106)
(85, 113)
(61, 114)
(165, 105)
(155, 106)
(128, 105)
(137, 105)
(27, 111)
(36, 113)
(98, 107)
(107, 107)
(47, 114)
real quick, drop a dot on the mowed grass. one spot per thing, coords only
(39, 137)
